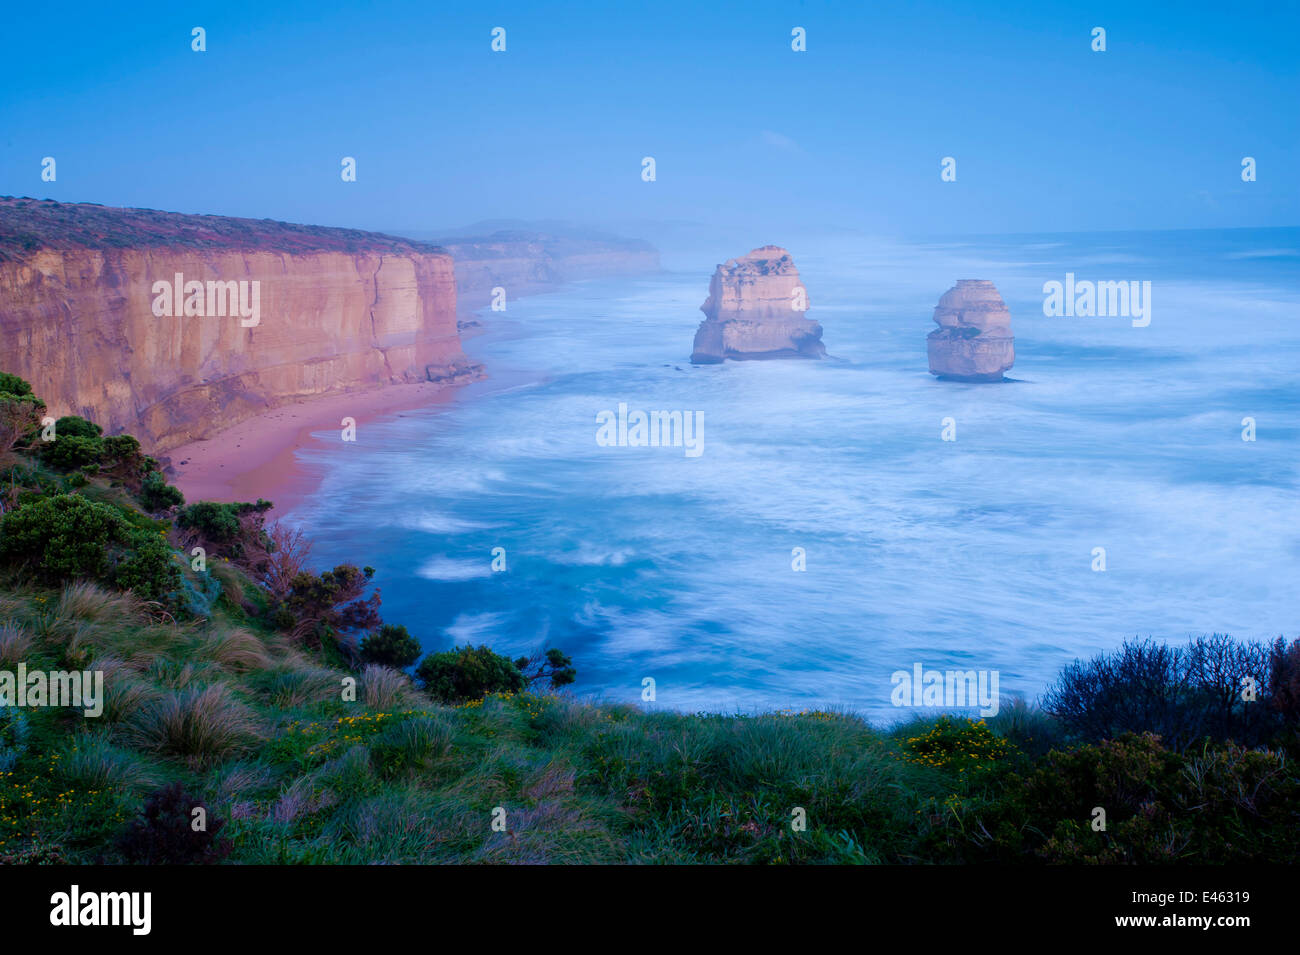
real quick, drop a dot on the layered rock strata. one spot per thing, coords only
(111, 314)
(755, 310)
(973, 341)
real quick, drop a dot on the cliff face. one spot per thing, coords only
(523, 262)
(337, 311)
(755, 309)
(973, 341)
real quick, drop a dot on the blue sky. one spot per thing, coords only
(1048, 135)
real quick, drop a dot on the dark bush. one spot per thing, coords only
(1221, 804)
(147, 568)
(124, 461)
(20, 413)
(164, 832)
(14, 386)
(157, 495)
(60, 537)
(77, 443)
(1183, 694)
(328, 605)
(469, 673)
(391, 646)
(232, 528)
(69, 452)
(553, 665)
(1284, 680)
(72, 426)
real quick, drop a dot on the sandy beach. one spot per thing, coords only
(257, 458)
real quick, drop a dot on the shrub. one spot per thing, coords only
(65, 536)
(957, 743)
(321, 606)
(157, 495)
(1284, 679)
(62, 536)
(469, 673)
(391, 646)
(164, 833)
(1183, 694)
(71, 426)
(230, 527)
(123, 460)
(148, 569)
(20, 412)
(1222, 804)
(553, 665)
(77, 443)
(69, 452)
(13, 386)
(216, 522)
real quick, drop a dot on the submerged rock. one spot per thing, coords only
(973, 341)
(756, 309)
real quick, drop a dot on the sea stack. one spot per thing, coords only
(756, 309)
(973, 341)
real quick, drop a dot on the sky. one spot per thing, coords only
(1048, 135)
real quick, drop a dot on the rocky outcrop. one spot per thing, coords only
(973, 341)
(756, 309)
(338, 311)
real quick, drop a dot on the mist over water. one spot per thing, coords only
(644, 562)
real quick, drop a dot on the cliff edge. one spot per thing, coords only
(173, 327)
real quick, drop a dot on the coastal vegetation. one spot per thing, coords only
(244, 687)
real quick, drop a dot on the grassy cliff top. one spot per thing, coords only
(30, 224)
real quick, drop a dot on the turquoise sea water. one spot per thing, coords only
(977, 553)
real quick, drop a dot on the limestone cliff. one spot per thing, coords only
(522, 262)
(973, 341)
(755, 309)
(339, 311)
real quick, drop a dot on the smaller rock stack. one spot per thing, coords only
(973, 341)
(756, 309)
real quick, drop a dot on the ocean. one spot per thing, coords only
(975, 553)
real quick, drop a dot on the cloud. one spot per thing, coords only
(780, 141)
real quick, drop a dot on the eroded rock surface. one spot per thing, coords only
(756, 309)
(973, 341)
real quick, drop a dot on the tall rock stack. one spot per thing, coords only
(973, 341)
(756, 309)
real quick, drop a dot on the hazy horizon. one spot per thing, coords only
(1048, 135)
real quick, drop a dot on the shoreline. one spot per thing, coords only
(257, 458)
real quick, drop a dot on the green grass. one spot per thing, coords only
(307, 761)
(262, 732)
